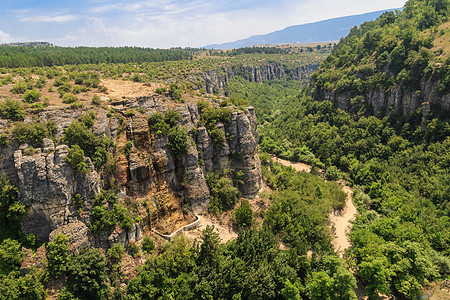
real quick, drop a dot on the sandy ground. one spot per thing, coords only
(341, 222)
(223, 227)
(299, 167)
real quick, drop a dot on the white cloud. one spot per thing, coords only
(50, 19)
(5, 37)
(186, 23)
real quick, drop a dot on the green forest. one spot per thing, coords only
(396, 163)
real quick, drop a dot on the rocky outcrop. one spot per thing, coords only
(47, 185)
(399, 99)
(163, 187)
(152, 163)
(215, 81)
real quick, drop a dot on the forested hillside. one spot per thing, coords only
(397, 160)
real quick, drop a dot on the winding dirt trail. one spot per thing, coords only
(340, 220)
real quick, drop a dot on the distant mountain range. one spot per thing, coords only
(322, 31)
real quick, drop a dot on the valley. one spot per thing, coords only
(294, 171)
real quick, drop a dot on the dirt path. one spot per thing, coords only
(341, 222)
(222, 227)
(299, 167)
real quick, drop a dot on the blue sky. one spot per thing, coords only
(164, 23)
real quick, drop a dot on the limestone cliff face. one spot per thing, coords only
(153, 163)
(47, 185)
(215, 81)
(398, 98)
(161, 184)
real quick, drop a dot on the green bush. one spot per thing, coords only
(57, 255)
(223, 193)
(106, 213)
(243, 215)
(21, 87)
(86, 274)
(12, 110)
(148, 245)
(77, 160)
(178, 141)
(87, 119)
(114, 254)
(332, 173)
(69, 98)
(10, 256)
(157, 124)
(203, 105)
(96, 100)
(29, 151)
(79, 134)
(31, 96)
(176, 92)
(33, 132)
(172, 117)
(133, 249)
(211, 116)
(217, 136)
(161, 90)
(4, 139)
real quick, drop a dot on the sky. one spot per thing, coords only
(165, 23)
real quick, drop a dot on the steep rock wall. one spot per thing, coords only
(399, 98)
(215, 81)
(148, 174)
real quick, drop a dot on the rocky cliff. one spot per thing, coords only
(215, 81)
(399, 98)
(163, 190)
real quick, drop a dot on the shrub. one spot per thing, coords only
(114, 254)
(77, 160)
(157, 123)
(212, 116)
(171, 117)
(40, 83)
(161, 90)
(176, 92)
(31, 96)
(130, 112)
(12, 110)
(217, 136)
(148, 245)
(178, 141)
(20, 88)
(223, 193)
(86, 274)
(4, 139)
(136, 78)
(244, 214)
(29, 151)
(106, 212)
(202, 105)
(10, 256)
(33, 132)
(87, 119)
(332, 173)
(78, 134)
(96, 100)
(69, 98)
(133, 249)
(57, 255)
